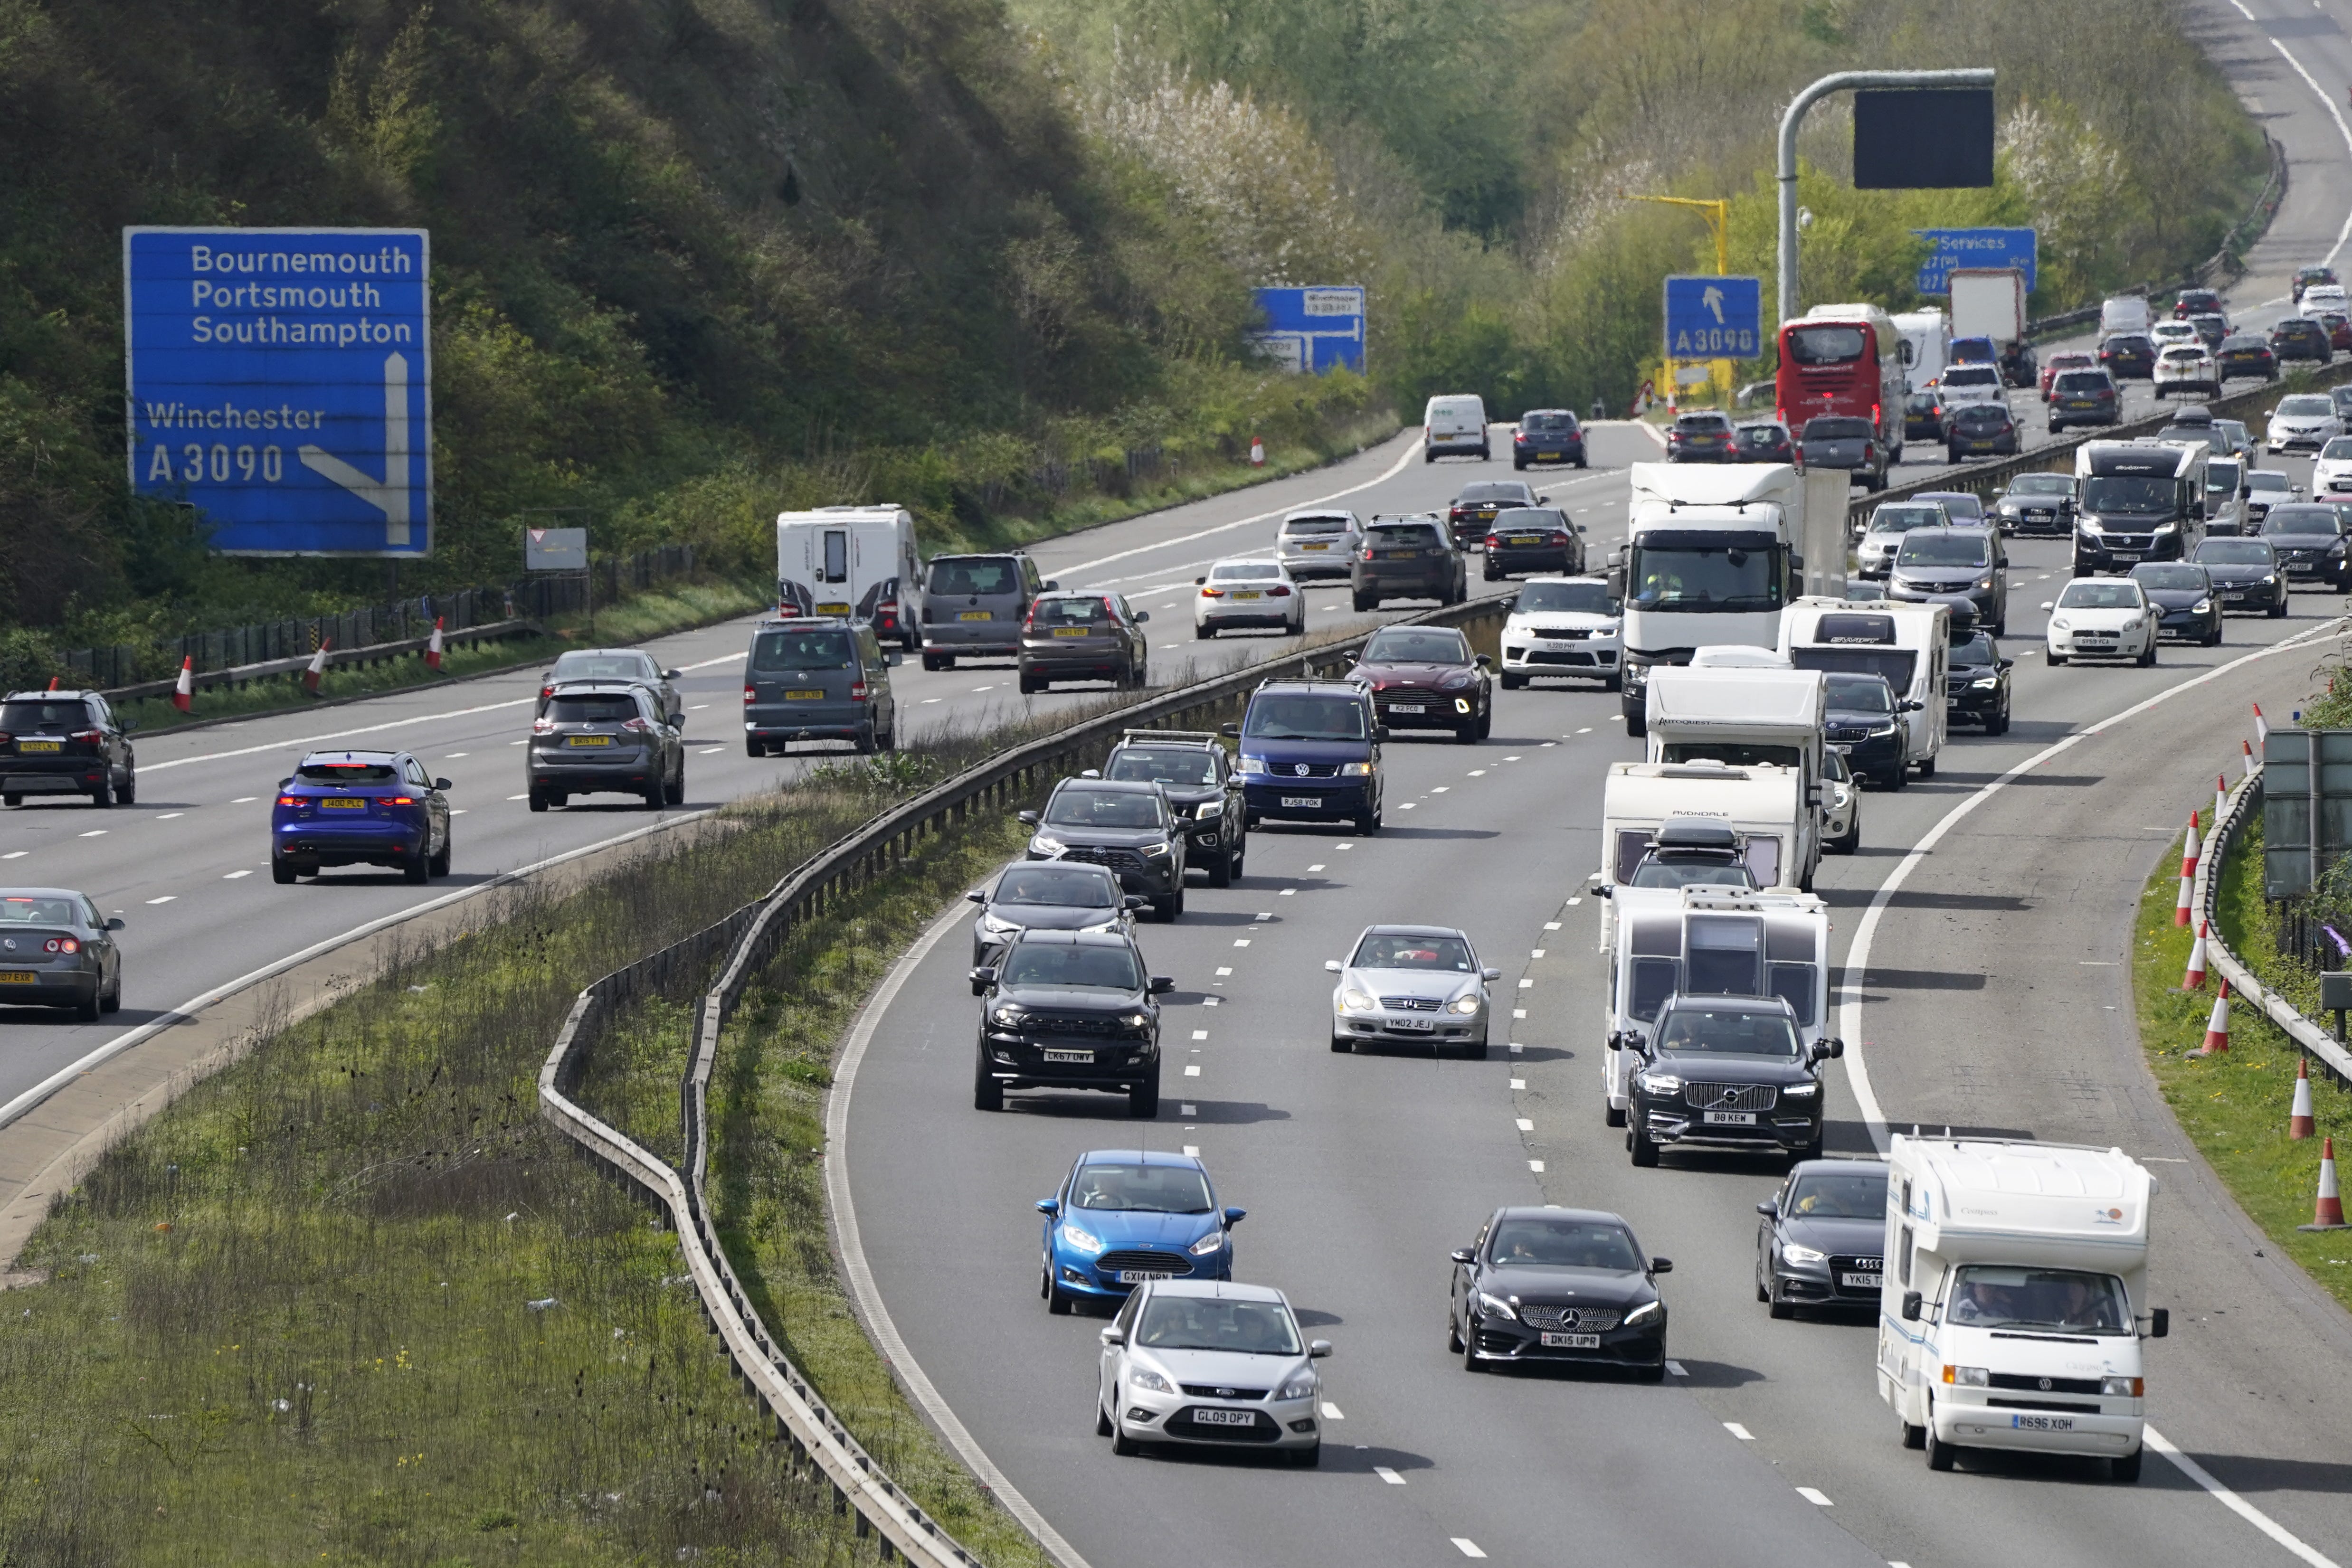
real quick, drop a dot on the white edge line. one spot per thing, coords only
(2342, 130)
(188, 1009)
(860, 1273)
(2233, 1502)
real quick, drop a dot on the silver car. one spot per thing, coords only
(1209, 1364)
(1316, 543)
(1875, 555)
(57, 951)
(1417, 984)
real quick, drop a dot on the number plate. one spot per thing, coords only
(1248, 593)
(333, 804)
(1069, 631)
(1728, 1118)
(1225, 1417)
(1313, 546)
(1067, 1055)
(977, 615)
(1412, 1026)
(1572, 1342)
(1408, 707)
(2126, 555)
(579, 740)
(1546, 456)
(804, 696)
(1308, 803)
(2042, 1423)
(1523, 539)
(833, 610)
(18, 977)
(40, 746)
(1142, 1276)
(1860, 1281)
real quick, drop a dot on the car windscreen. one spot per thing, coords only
(1244, 571)
(1731, 1032)
(1691, 871)
(1190, 766)
(1213, 1322)
(1700, 569)
(604, 667)
(772, 651)
(1153, 1190)
(1084, 807)
(1703, 423)
(1838, 1194)
(1972, 376)
(1830, 428)
(1087, 611)
(2302, 520)
(1392, 950)
(1903, 519)
(2268, 479)
(2236, 552)
(1402, 536)
(1057, 887)
(1853, 694)
(972, 577)
(2048, 1301)
(2305, 407)
(1892, 664)
(1566, 599)
(353, 772)
(2041, 485)
(591, 707)
(19, 909)
(2129, 494)
(2222, 477)
(1824, 345)
(1314, 528)
(1976, 648)
(1547, 422)
(1417, 645)
(1086, 968)
(1496, 490)
(1981, 413)
(1526, 518)
(2168, 576)
(2087, 594)
(1944, 547)
(1529, 1242)
(2082, 382)
(54, 717)
(1305, 718)
(1960, 509)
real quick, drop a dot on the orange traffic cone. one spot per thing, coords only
(2261, 726)
(2220, 796)
(433, 646)
(2248, 747)
(2194, 980)
(183, 690)
(2299, 1124)
(53, 682)
(2187, 872)
(2327, 1213)
(311, 677)
(2217, 1027)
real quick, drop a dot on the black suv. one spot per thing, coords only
(1124, 824)
(1196, 773)
(1727, 1072)
(2296, 338)
(1547, 436)
(1069, 1009)
(64, 743)
(604, 737)
(1864, 718)
(1408, 558)
(1976, 683)
(2128, 356)
(1704, 437)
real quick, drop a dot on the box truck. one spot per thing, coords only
(1990, 302)
(860, 562)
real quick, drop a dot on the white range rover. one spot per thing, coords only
(1563, 626)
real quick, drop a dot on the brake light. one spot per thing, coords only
(6, 740)
(542, 726)
(1558, 539)
(638, 725)
(1494, 540)
(1278, 592)
(1213, 593)
(1367, 552)
(291, 800)
(749, 694)
(545, 693)
(1029, 622)
(89, 737)
(400, 799)
(857, 691)
(62, 944)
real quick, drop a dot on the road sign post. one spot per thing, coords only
(280, 382)
(1713, 319)
(1975, 247)
(565, 550)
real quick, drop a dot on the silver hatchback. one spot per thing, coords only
(1318, 543)
(1201, 1363)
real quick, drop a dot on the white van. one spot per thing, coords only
(1926, 347)
(2125, 313)
(860, 562)
(1455, 421)
(1908, 644)
(2010, 1293)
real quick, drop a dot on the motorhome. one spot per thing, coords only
(1926, 347)
(1908, 644)
(857, 562)
(2013, 1290)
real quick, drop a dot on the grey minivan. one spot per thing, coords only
(973, 606)
(818, 679)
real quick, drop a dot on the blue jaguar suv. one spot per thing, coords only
(360, 807)
(1126, 1216)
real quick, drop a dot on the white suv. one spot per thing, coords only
(2186, 368)
(1563, 626)
(2305, 420)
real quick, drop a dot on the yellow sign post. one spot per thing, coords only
(1717, 216)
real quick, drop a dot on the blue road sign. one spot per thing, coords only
(1715, 318)
(1314, 329)
(1974, 247)
(280, 381)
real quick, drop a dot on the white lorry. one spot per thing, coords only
(857, 562)
(1926, 338)
(2011, 1293)
(1990, 302)
(1713, 553)
(1910, 644)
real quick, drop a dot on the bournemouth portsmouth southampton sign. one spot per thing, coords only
(280, 382)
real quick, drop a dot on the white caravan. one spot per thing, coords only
(860, 562)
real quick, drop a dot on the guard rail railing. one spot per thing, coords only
(2324, 1050)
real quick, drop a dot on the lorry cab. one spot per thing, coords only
(2012, 1296)
(859, 563)
(1909, 644)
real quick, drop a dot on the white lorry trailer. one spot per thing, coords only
(1713, 553)
(2013, 1289)
(858, 562)
(1990, 302)
(1926, 338)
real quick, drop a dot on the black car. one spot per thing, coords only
(1124, 824)
(1960, 563)
(1765, 440)
(1822, 1240)
(2186, 605)
(1977, 427)
(1976, 683)
(57, 951)
(1408, 558)
(2245, 573)
(1069, 1009)
(2310, 539)
(2128, 356)
(1727, 1072)
(1047, 895)
(2212, 327)
(1864, 718)
(2084, 397)
(604, 737)
(1842, 441)
(1923, 416)
(65, 743)
(1427, 677)
(2296, 338)
(1533, 538)
(1557, 1285)
(1474, 510)
(1702, 437)
(1547, 436)
(2305, 277)
(2194, 302)
(2246, 354)
(2037, 503)
(1196, 773)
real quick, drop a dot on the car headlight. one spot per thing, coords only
(1110, 925)
(1496, 1305)
(2122, 1387)
(1985, 582)
(1356, 1001)
(1160, 850)
(1645, 1314)
(1210, 808)
(2089, 525)
(1047, 844)
(1253, 764)
(1660, 1084)
(2166, 529)
(1213, 1241)
(1134, 1020)
(1302, 1387)
(2060, 625)
(1080, 1239)
(1144, 1377)
(1804, 1090)
(2202, 606)
(1881, 731)
(995, 927)
(1966, 1376)
(1469, 1004)
(1985, 683)
(1793, 1253)
(1009, 1016)
(1355, 770)
(2269, 578)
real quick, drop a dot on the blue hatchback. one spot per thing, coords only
(360, 807)
(1311, 750)
(1126, 1216)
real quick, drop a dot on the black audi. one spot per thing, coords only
(1725, 1072)
(1557, 1285)
(1069, 1009)
(2186, 603)
(1127, 825)
(2246, 573)
(1820, 1243)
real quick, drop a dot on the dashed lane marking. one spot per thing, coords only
(165, 899)
(1388, 1475)
(95, 833)
(232, 876)
(1199, 1034)
(1815, 1496)
(169, 815)
(1331, 1412)
(1467, 1547)
(1677, 1368)
(1525, 1125)
(1225, 970)
(1739, 1431)
(1536, 1165)
(1317, 866)
(1191, 1151)
(1518, 1083)
(1193, 1071)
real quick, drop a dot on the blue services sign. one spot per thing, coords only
(1974, 247)
(1311, 331)
(280, 381)
(1715, 318)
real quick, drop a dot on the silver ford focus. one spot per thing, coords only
(1420, 984)
(1213, 1364)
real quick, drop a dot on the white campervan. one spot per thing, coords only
(1908, 644)
(2010, 1297)
(1927, 337)
(855, 561)
(1455, 421)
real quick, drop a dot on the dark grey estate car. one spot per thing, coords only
(64, 743)
(1409, 557)
(818, 679)
(57, 951)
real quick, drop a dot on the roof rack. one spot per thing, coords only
(1177, 736)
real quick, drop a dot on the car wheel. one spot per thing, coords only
(1653, 1374)
(1486, 720)
(987, 1092)
(1363, 601)
(538, 798)
(2213, 638)
(1469, 1338)
(12, 801)
(1638, 1142)
(2051, 656)
(417, 868)
(1914, 1436)
(1308, 1457)
(1167, 908)
(87, 1010)
(1928, 768)
(653, 794)
(1125, 1447)
(128, 790)
(1999, 725)
(2147, 655)
(1613, 683)
(111, 1001)
(1031, 686)
(2126, 1471)
(755, 748)
(1518, 465)
(1059, 1302)
(1490, 573)
(1143, 1099)
(674, 792)
(1340, 1043)
(930, 661)
(280, 872)
(1220, 869)
(439, 866)
(1102, 1420)
(2278, 612)
(1367, 826)
(1940, 1455)
(1512, 682)
(103, 796)
(1476, 1050)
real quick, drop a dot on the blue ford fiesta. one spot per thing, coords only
(360, 807)
(1126, 1216)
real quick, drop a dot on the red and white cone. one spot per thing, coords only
(1258, 452)
(2194, 980)
(2217, 1027)
(2248, 747)
(2220, 796)
(2327, 1213)
(53, 682)
(2299, 1124)
(433, 646)
(2261, 726)
(2187, 872)
(318, 669)
(183, 690)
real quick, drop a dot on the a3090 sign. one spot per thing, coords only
(280, 382)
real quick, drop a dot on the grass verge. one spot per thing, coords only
(2234, 1107)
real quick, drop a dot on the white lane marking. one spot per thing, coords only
(1265, 915)
(244, 800)
(453, 756)
(1857, 964)
(1388, 1475)
(929, 701)
(1586, 730)
(1404, 806)
(522, 797)
(1286, 892)
(1525, 1125)
(1518, 1083)
(340, 735)
(1510, 759)
(709, 750)
(1815, 1496)
(169, 815)
(1211, 1001)
(1739, 1431)
(1331, 1412)
(458, 810)
(232, 876)
(1550, 744)
(1441, 789)
(1477, 772)
(1317, 866)
(525, 741)
(165, 899)
(1191, 1151)
(697, 707)
(1571, 904)
(2326, 101)
(1346, 846)
(1677, 1368)
(1467, 1547)
(1537, 951)
(1552, 924)
(95, 833)
(1519, 1013)
(1199, 1034)
(1524, 985)
(1193, 1071)
(1536, 1165)
(15, 855)
(1224, 971)
(2232, 1500)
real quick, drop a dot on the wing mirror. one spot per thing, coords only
(2160, 1324)
(1236, 1216)
(115, 923)
(1142, 616)
(1230, 731)
(1332, 965)
(1113, 1335)
(1049, 1207)
(671, 675)
(1483, 661)
(1827, 1050)
(1160, 984)
(2008, 664)
(1910, 1313)
(1380, 732)
(443, 784)
(1319, 1349)
(977, 896)
(982, 978)
(1464, 1256)
(1581, 527)
(1052, 585)
(1133, 901)
(1770, 1208)
(1662, 1265)
(1091, 773)
(1913, 705)
(1200, 582)
(1490, 974)
(2048, 606)
(1026, 819)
